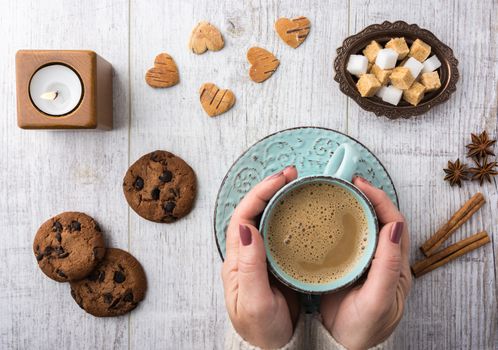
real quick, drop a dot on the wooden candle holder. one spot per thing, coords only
(94, 110)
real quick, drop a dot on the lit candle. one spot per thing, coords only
(56, 89)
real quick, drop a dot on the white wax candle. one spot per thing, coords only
(55, 89)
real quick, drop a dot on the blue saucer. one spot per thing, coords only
(308, 148)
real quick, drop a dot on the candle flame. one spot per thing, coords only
(50, 95)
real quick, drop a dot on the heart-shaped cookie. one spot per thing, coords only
(293, 31)
(214, 100)
(205, 37)
(164, 73)
(263, 64)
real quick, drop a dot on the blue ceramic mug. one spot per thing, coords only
(339, 171)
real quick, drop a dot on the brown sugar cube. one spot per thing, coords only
(371, 51)
(414, 94)
(402, 78)
(398, 45)
(420, 50)
(368, 85)
(382, 75)
(431, 81)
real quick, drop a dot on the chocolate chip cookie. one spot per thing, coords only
(160, 187)
(115, 287)
(68, 246)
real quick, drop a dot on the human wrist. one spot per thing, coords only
(266, 339)
(249, 339)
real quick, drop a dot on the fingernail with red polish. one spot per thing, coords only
(245, 235)
(396, 232)
(365, 181)
(274, 175)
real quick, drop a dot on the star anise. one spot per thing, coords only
(483, 171)
(480, 146)
(456, 172)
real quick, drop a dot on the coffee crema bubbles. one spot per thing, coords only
(317, 232)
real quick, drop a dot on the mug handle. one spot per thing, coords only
(343, 163)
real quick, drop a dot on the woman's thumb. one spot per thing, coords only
(252, 270)
(383, 277)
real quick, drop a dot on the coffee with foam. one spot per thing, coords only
(318, 232)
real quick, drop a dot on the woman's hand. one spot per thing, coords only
(261, 313)
(366, 315)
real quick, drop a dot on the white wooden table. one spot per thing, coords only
(46, 172)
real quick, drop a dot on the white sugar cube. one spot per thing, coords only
(357, 65)
(392, 95)
(380, 92)
(414, 66)
(386, 58)
(431, 64)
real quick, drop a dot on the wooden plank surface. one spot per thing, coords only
(453, 307)
(185, 306)
(46, 172)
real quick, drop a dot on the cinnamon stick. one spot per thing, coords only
(458, 219)
(423, 264)
(450, 253)
(462, 220)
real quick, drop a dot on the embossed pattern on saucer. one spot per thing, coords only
(308, 148)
